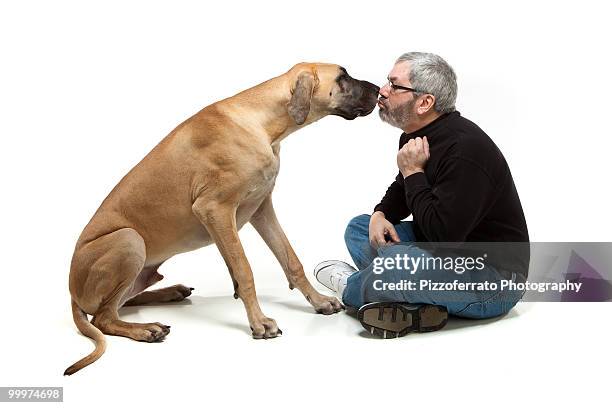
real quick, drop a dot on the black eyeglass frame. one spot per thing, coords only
(396, 87)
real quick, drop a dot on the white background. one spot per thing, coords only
(86, 90)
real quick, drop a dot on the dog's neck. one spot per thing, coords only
(246, 109)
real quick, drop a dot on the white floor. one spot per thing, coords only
(553, 353)
(88, 88)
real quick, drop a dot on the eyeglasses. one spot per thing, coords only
(395, 87)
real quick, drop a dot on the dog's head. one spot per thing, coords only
(327, 89)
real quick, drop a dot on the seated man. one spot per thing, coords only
(457, 185)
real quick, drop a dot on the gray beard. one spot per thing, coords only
(397, 117)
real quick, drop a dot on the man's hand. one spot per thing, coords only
(380, 230)
(412, 156)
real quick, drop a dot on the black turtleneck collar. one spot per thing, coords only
(429, 129)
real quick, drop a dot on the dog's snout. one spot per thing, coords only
(358, 99)
(372, 86)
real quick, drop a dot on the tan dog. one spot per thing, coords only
(201, 184)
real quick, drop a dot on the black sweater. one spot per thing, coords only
(466, 193)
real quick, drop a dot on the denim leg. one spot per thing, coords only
(353, 295)
(472, 304)
(405, 231)
(357, 239)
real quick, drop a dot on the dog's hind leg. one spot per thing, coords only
(148, 277)
(109, 323)
(174, 293)
(102, 272)
(115, 261)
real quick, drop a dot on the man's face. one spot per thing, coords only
(396, 106)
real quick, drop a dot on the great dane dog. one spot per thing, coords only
(199, 185)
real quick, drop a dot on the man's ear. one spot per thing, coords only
(427, 104)
(299, 105)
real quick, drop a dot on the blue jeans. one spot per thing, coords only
(361, 286)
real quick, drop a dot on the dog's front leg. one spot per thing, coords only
(220, 222)
(266, 224)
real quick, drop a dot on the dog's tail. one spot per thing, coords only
(91, 331)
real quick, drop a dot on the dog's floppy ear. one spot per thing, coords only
(299, 105)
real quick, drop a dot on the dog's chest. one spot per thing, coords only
(262, 182)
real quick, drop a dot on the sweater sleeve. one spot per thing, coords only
(453, 207)
(393, 204)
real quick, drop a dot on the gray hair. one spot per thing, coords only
(429, 73)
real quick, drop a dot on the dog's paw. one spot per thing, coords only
(151, 332)
(325, 304)
(265, 328)
(177, 293)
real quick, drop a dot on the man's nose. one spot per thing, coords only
(384, 91)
